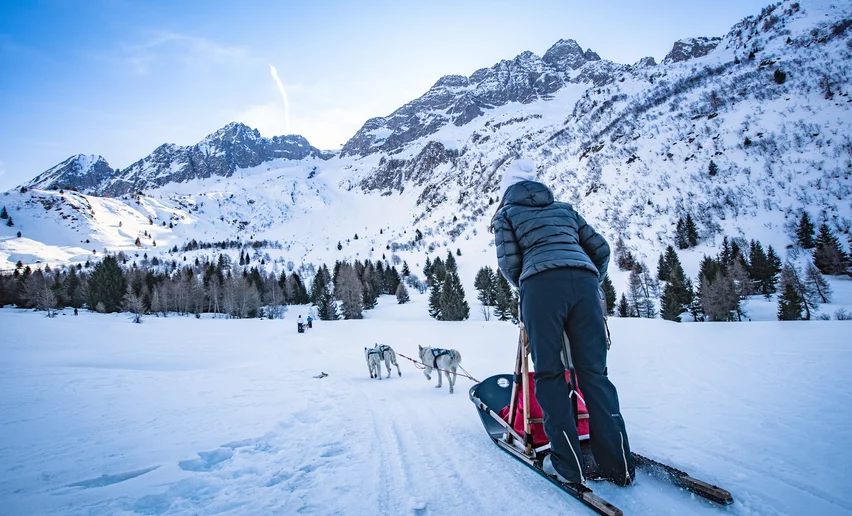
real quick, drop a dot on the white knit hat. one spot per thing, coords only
(520, 170)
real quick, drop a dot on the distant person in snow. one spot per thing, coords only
(310, 322)
(546, 249)
(300, 325)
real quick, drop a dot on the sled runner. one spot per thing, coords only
(512, 419)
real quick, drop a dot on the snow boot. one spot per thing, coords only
(547, 467)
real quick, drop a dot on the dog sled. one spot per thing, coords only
(513, 420)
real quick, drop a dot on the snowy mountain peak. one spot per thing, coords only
(566, 54)
(81, 172)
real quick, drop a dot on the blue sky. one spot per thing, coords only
(120, 77)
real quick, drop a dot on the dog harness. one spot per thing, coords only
(383, 349)
(373, 351)
(436, 352)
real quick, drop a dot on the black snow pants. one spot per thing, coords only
(567, 299)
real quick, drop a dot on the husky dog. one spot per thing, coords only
(387, 354)
(446, 360)
(374, 362)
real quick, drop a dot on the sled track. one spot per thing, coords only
(420, 464)
(391, 488)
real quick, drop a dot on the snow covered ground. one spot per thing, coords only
(186, 416)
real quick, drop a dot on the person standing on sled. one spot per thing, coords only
(546, 249)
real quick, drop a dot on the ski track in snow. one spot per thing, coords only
(179, 416)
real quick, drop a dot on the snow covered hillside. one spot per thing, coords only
(214, 416)
(766, 104)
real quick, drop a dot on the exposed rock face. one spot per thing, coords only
(690, 48)
(646, 62)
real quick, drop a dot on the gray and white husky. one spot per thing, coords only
(387, 354)
(446, 360)
(374, 362)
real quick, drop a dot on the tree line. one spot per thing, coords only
(205, 286)
(739, 270)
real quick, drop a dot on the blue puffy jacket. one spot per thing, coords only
(533, 233)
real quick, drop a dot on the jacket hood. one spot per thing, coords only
(518, 171)
(529, 193)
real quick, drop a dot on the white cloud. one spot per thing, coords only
(283, 92)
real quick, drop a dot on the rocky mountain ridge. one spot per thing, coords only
(220, 154)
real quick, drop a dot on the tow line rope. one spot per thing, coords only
(420, 365)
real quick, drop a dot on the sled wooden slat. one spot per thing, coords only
(525, 382)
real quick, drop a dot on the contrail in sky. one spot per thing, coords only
(277, 80)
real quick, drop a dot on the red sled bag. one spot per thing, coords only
(537, 429)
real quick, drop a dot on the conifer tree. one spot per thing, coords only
(790, 275)
(789, 304)
(515, 307)
(503, 298)
(662, 269)
(829, 257)
(11, 223)
(485, 284)
(774, 265)
(609, 293)
(402, 294)
(720, 289)
(327, 309)
(435, 298)
(322, 295)
(623, 306)
(296, 289)
(391, 281)
(450, 264)
(427, 270)
(677, 294)
(805, 232)
(317, 287)
(691, 231)
(713, 169)
(439, 271)
(681, 238)
(759, 270)
(4, 214)
(107, 285)
(406, 272)
(73, 289)
(726, 256)
(454, 307)
(624, 259)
